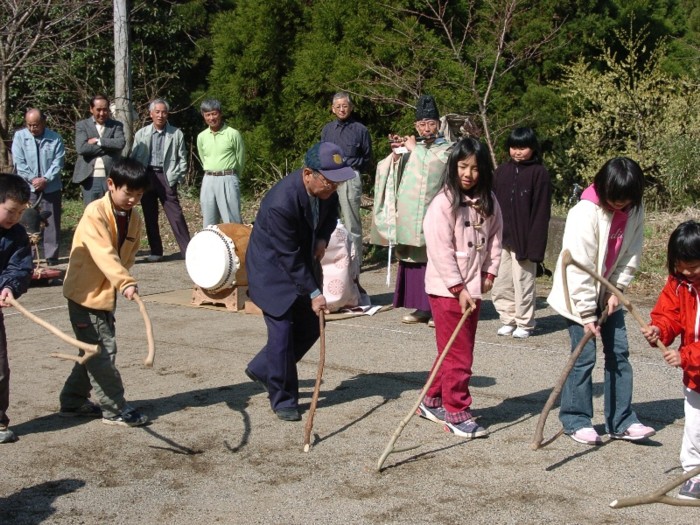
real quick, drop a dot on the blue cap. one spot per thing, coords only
(327, 158)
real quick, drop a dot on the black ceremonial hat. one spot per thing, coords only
(427, 108)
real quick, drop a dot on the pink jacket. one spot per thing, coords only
(458, 252)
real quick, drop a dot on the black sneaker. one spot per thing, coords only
(87, 409)
(128, 418)
(690, 489)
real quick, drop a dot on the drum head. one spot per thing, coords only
(211, 260)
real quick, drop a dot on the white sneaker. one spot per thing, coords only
(154, 258)
(506, 329)
(521, 333)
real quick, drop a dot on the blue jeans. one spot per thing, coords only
(576, 409)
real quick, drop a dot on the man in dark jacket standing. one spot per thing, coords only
(289, 237)
(99, 141)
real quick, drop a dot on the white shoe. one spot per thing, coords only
(521, 333)
(506, 329)
(154, 258)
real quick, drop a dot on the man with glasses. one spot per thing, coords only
(283, 262)
(161, 147)
(38, 155)
(356, 144)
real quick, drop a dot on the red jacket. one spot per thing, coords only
(677, 312)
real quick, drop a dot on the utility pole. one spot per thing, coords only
(122, 71)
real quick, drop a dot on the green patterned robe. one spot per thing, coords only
(402, 192)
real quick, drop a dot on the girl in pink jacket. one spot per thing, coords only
(463, 228)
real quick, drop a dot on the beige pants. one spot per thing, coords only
(513, 292)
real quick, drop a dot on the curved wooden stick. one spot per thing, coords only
(554, 394)
(90, 350)
(567, 259)
(149, 332)
(317, 387)
(390, 446)
(659, 495)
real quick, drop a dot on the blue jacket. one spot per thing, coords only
(16, 263)
(279, 258)
(50, 160)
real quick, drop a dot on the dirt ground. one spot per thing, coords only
(215, 453)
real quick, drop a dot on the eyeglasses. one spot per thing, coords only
(327, 183)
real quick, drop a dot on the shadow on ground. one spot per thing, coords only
(34, 505)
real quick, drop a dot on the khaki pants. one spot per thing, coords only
(100, 372)
(513, 292)
(350, 198)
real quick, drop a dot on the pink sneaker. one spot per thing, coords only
(587, 436)
(635, 432)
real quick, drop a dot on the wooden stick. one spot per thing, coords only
(317, 387)
(554, 394)
(568, 259)
(390, 446)
(90, 350)
(659, 495)
(149, 332)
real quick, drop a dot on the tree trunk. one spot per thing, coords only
(5, 137)
(122, 71)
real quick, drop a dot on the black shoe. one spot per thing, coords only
(288, 414)
(52, 262)
(256, 379)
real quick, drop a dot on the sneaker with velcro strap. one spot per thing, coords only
(128, 418)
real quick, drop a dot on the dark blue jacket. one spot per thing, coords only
(279, 259)
(353, 138)
(16, 263)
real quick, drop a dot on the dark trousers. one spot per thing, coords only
(94, 188)
(289, 337)
(161, 191)
(4, 375)
(52, 233)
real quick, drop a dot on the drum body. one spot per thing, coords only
(215, 257)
